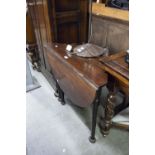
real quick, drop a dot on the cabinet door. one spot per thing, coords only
(69, 20)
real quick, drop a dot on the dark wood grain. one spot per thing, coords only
(79, 78)
(66, 5)
(117, 63)
(69, 20)
(30, 37)
(116, 66)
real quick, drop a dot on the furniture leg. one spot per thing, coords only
(109, 112)
(92, 138)
(60, 94)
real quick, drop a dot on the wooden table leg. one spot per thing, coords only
(60, 94)
(109, 112)
(92, 138)
(106, 122)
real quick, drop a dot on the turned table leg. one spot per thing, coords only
(109, 112)
(92, 138)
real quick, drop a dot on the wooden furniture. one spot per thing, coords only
(57, 21)
(67, 22)
(31, 46)
(30, 37)
(118, 79)
(110, 28)
(38, 11)
(80, 79)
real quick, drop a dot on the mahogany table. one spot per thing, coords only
(80, 79)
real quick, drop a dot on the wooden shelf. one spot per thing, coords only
(100, 10)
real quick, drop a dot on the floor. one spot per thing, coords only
(55, 129)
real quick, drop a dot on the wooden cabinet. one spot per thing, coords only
(61, 21)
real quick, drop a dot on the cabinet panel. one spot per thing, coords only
(32, 10)
(41, 21)
(75, 15)
(66, 5)
(47, 22)
(30, 37)
(70, 33)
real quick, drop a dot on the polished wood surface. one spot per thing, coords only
(100, 10)
(116, 66)
(30, 37)
(79, 78)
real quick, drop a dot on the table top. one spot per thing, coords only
(87, 68)
(116, 66)
(79, 78)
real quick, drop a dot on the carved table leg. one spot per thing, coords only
(92, 138)
(109, 112)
